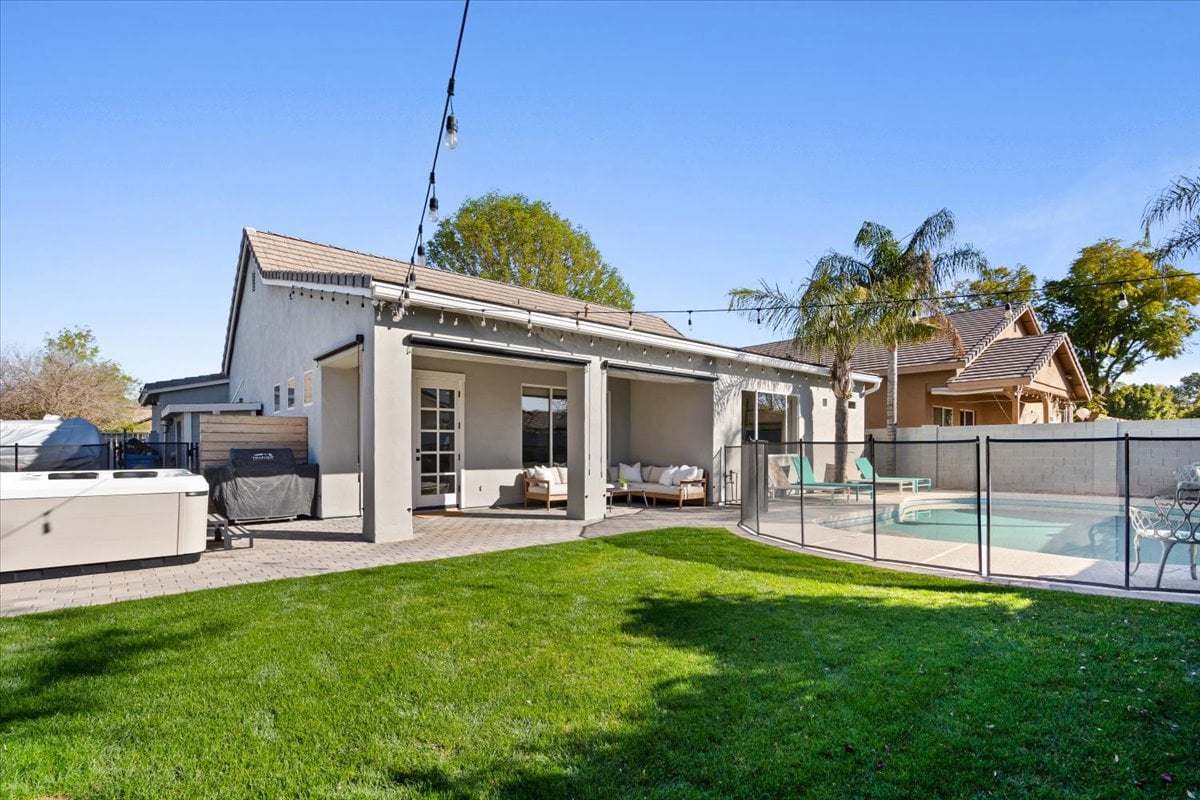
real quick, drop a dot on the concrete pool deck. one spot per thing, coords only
(781, 521)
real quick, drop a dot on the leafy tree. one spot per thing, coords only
(829, 317)
(512, 239)
(67, 377)
(894, 271)
(996, 284)
(1182, 197)
(1112, 341)
(1187, 392)
(1141, 401)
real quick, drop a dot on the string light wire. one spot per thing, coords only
(419, 244)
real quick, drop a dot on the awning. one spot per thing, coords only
(634, 372)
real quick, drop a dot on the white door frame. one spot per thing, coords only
(456, 382)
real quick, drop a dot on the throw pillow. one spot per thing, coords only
(614, 474)
(650, 474)
(545, 474)
(631, 473)
(667, 476)
(690, 473)
(561, 473)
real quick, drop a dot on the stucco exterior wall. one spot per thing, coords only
(277, 338)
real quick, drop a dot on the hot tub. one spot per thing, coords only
(65, 519)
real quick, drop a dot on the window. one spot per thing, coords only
(308, 388)
(543, 426)
(966, 417)
(291, 393)
(277, 398)
(765, 416)
(943, 416)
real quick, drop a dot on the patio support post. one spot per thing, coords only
(1128, 532)
(586, 466)
(387, 440)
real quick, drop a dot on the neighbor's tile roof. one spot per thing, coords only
(1012, 358)
(977, 328)
(288, 258)
(158, 386)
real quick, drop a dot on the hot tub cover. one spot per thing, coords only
(262, 484)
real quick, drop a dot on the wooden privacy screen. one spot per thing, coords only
(219, 433)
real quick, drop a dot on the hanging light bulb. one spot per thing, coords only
(914, 314)
(421, 255)
(529, 325)
(433, 209)
(455, 322)
(442, 317)
(592, 342)
(561, 338)
(689, 320)
(1122, 301)
(451, 132)
(758, 316)
(495, 327)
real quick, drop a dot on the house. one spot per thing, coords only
(177, 405)
(425, 388)
(1010, 371)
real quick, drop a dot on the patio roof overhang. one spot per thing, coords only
(471, 348)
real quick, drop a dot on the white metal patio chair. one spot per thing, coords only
(1160, 527)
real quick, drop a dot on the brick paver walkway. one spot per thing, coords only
(314, 547)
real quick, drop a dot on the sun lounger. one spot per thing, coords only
(808, 481)
(868, 473)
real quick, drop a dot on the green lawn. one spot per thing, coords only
(679, 663)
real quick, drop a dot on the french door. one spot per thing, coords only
(437, 438)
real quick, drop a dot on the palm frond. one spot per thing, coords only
(872, 237)
(931, 234)
(1183, 241)
(952, 263)
(1182, 197)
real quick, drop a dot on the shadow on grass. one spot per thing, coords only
(57, 675)
(841, 696)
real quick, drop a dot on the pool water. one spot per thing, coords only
(1071, 529)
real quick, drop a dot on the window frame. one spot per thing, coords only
(277, 390)
(550, 398)
(790, 414)
(291, 394)
(307, 387)
(962, 412)
(937, 417)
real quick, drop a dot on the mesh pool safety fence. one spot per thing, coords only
(1107, 511)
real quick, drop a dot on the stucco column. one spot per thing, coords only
(586, 398)
(387, 436)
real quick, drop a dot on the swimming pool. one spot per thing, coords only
(1087, 530)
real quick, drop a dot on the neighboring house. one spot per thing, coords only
(178, 404)
(426, 388)
(1011, 371)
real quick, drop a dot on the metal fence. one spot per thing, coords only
(1107, 511)
(109, 455)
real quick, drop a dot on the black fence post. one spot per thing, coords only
(986, 568)
(874, 514)
(978, 510)
(801, 476)
(1127, 516)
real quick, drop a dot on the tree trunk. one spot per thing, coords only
(843, 390)
(893, 391)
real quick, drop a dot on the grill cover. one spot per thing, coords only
(262, 484)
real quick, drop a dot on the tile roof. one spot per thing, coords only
(1012, 358)
(288, 258)
(977, 328)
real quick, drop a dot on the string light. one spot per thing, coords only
(451, 128)
(442, 317)
(421, 255)
(433, 209)
(1122, 301)
(456, 322)
(529, 325)
(689, 320)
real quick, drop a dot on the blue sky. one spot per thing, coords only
(704, 146)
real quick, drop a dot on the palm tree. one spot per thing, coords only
(1181, 197)
(904, 277)
(829, 318)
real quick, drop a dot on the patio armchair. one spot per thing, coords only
(1158, 526)
(868, 474)
(545, 485)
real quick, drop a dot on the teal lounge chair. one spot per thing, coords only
(868, 473)
(808, 481)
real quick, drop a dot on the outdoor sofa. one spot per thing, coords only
(677, 484)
